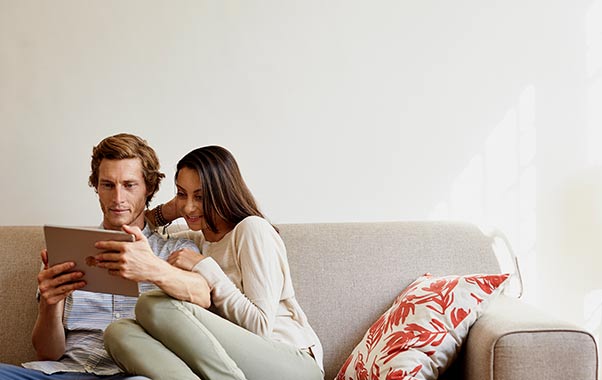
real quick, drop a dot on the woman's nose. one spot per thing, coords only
(189, 206)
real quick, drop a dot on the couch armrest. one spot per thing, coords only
(515, 341)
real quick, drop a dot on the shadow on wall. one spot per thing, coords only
(590, 185)
(580, 246)
(497, 187)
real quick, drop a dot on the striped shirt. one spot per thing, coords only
(87, 314)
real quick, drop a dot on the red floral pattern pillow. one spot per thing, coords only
(421, 333)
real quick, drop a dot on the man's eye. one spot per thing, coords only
(107, 185)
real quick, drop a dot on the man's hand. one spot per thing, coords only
(57, 282)
(185, 259)
(136, 261)
(133, 261)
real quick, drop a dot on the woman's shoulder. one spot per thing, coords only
(254, 227)
(258, 229)
(253, 222)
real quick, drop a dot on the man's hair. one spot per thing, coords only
(123, 146)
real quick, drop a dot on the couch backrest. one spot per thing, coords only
(347, 274)
(20, 263)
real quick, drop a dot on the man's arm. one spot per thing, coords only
(137, 262)
(55, 284)
(48, 335)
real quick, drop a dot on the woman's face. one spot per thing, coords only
(189, 198)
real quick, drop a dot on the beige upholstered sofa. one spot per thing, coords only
(346, 275)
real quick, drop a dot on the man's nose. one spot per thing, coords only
(118, 194)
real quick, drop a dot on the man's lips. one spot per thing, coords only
(119, 211)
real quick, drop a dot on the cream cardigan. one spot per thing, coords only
(250, 282)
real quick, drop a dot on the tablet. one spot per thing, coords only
(77, 244)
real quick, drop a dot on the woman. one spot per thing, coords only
(257, 330)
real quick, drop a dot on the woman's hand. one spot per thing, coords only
(185, 259)
(134, 261)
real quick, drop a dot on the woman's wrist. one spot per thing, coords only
(162, 215)
(159, 217)
(169, 211)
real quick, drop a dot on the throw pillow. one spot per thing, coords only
(418, 337)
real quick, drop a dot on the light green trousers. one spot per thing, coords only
(177, 340)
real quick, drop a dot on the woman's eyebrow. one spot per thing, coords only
(199, 190)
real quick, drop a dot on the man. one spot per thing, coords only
(68, 333)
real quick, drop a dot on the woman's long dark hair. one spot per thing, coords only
(225, 193)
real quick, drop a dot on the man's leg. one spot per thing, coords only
(13, 372)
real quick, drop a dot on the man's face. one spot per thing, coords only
(122, 193)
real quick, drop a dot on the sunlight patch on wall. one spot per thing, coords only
(594, 121)
(592, 303)
(594, 39)
(594, 74)
(592, 311)
(496, 188)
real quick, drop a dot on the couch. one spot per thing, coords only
(346, 275)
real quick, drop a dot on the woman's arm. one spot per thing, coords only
(262, 261)
(184, 285)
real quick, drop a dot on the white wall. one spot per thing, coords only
(488, 111)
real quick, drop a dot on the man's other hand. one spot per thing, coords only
(58, 281)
